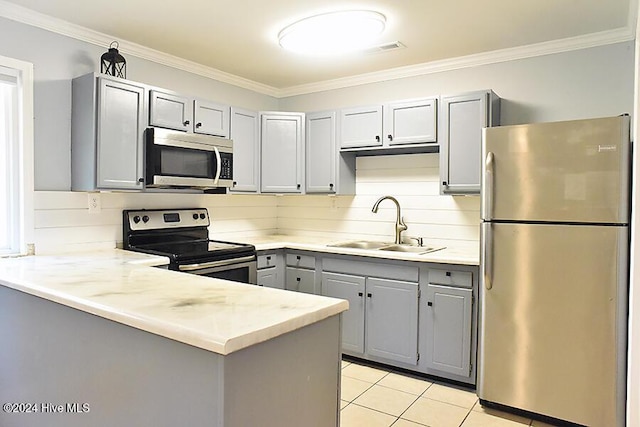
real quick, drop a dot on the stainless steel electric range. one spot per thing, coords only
(183, 236)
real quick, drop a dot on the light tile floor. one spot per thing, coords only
(374, 397)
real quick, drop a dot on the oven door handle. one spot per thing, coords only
(200, 266)
(218, 165)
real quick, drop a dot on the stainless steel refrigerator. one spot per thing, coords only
(554, 269)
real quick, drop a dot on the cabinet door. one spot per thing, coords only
(351, 288)
(448, 332)
(361, 127)
(245, 132)
(463, 118)
(282, 145)
(211, 119)
(269, 277)
(170, 111)
(410, 122)
(321, 152)
(392, 320)
(120, 135)
(300, 280)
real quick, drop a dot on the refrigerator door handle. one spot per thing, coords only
(487, 255)
(487, 189)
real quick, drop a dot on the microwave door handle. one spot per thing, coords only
(218, 166)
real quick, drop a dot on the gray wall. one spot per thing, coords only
(579, 84)
(57, 59)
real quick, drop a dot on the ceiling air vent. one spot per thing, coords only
(384, 47)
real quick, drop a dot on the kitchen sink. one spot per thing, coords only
(385, 246)
(411, 249)
(360, 244)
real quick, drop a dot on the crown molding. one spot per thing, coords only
(27, 16)
(493, 57)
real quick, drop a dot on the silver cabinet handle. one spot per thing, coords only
(199, 266)
(487, 188)
(487, 255)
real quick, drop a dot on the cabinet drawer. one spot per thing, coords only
(300, 280)
(451, 278)
(299, 260)
(266, 261)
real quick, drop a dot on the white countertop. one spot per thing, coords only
(122, 286)
(464, 254)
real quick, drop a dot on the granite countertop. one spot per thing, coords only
(123, 286)
(463, 254)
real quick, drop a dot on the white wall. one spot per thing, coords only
(413, 179)
(63, 222)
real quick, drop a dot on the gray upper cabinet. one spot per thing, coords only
(327, 170)
(282, 152)
(396, 125)
(108, 121)
(245, 133)
(361, 127)
(410, 122)
(448, 336)
(462, 119)
(170, 111)
(211, 118)
(392, 320)
(173, 111)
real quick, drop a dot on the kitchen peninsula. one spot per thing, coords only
(110, 340)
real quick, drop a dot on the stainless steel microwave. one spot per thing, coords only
(186, 160)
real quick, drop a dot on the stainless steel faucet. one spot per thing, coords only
(400, 225)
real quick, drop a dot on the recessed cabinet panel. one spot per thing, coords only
(463, 117)
(268, 277)
(411, 122)
(350, 288)
(211, 118)
(449, 332)
(170, 111)
(392, 320)
(300, 280)
(282, 146)
(245, 133)
(321, 152)
(361, 127)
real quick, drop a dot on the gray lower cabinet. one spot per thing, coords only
(448, 312)
(382, 320)
(351, 288)
(460, 133)
(300, 273)
(108, 121)
(270, 266)
(392, 320)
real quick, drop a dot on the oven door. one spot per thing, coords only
(177, 159)
(241, 269)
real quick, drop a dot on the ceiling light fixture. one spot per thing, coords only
(333, 32)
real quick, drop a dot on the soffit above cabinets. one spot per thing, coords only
(236, 41)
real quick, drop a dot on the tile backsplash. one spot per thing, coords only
(63, 222)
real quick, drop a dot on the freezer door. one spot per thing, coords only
(553, 321)
(575, 171)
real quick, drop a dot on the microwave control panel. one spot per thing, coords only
(226, 166)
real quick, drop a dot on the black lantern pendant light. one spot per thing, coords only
(112, 63)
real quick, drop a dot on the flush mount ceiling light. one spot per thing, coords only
(333, 32)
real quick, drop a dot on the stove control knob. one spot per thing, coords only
(195, 216)
(136, 219)
(202, 216)
(145, 218)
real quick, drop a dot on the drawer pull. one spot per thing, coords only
(360, 294)
(429, 303)
(269, 258)
(297, 279)
(369, 295)
(448, 274)
(298, 257)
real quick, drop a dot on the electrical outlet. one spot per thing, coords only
(95, 205)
